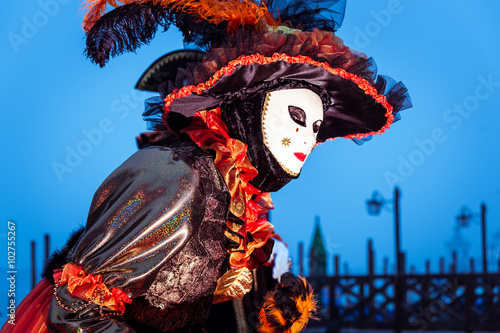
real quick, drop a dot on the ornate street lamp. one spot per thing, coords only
(374, 206)
(464, 217)
(463, 221)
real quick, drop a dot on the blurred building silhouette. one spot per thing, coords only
(460, 246)
(494, 251)
(317, 253)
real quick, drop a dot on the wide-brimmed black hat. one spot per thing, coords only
(246, 55)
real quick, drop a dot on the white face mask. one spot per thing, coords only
(290, 123)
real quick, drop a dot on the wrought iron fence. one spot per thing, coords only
(465, 302)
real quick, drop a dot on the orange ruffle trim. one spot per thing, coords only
(90, 288)
(208, 131)
(262, 60)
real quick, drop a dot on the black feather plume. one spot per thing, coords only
(58, 258)
(125, 28)
(128, 27)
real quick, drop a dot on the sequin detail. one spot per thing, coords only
(142, 215)
(183, 289)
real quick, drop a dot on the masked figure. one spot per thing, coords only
(180, 224)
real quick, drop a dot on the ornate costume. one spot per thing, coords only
(182, 222)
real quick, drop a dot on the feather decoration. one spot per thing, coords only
(124, 29)
(134, 22)
(59, 258)
(236, 13)
(288, 307)
(203, 22)
(94, 10)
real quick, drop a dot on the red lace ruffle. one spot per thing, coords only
(208, 131)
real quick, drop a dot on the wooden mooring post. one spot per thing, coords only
(454, 263)
(371, 259)
(336, 265)
(301, 259)
(46, 247)
(33, 264)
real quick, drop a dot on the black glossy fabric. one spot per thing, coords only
(182, 292)
(150, 224)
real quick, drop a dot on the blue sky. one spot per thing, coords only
(443, 153)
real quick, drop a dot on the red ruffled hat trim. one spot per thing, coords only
(232, 66)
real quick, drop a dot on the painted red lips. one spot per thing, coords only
(300, 156)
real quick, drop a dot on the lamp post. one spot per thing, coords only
(463, 220)
(374, 206)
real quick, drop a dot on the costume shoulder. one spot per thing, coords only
(141, 216)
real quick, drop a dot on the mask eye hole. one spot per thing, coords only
(317, 125)
(298, 115)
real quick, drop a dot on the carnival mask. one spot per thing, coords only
(290, 123)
